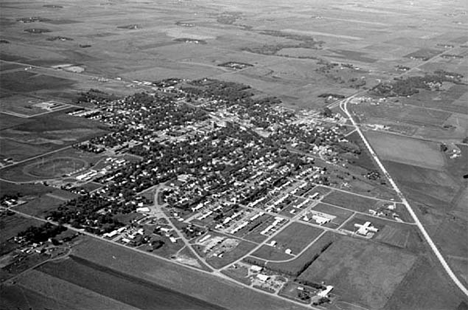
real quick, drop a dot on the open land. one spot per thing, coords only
(202, 151)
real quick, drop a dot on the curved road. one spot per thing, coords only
(404, 201)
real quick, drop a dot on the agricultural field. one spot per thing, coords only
(360, 271)
(436, 183)
(92, 277)
(297, 51)
(44, 134)
(433, 295)
(41, 205)
(407, 150)
(38, 289)
(162, 273)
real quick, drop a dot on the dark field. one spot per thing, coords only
(125, 288)
(24, 82)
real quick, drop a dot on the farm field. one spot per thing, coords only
(407, 150)
(41, 205)
(44, 134)
(432, 182)
(360, 271)
(434, 295)
(24, 189)
(126, 289)
(306, 53)
(168, 275)
(53, 291)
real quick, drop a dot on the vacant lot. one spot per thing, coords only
(296, 237)
(240, 250)
(350, 201)
(363, 273)
(406, 150)
(296, 265)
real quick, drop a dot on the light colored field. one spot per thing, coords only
(406, 150)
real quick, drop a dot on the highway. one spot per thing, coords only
(451, 274)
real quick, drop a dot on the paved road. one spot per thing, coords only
(343, 105)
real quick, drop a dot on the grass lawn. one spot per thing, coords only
(296, 237)
(270, 253)
(240, 250)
